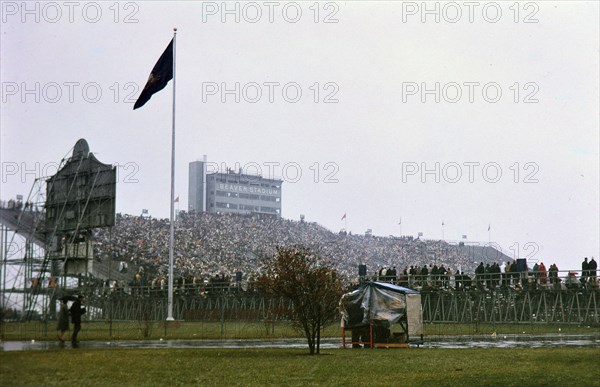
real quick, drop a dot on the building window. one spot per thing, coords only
(249, 196)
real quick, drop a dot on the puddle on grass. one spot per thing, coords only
(514, 341)
(501, 341)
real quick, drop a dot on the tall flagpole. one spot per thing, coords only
(172, 220)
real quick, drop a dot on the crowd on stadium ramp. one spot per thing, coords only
(489, 277)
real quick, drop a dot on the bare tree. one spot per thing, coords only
(315, 290)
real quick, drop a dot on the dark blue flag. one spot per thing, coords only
(161, 74)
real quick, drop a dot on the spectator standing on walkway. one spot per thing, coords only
(543, 274)
(584, 270)
(592, 267)
(479, 274)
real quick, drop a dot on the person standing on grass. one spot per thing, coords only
(63, 321)
(76, 312)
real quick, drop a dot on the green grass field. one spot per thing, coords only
(132, 330)
(293, 367)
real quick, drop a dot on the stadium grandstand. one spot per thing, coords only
(65, 238)
(209, 245)
(220, 255)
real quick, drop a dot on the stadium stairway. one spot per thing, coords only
(26, 223)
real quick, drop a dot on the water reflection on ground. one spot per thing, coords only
(501, 341)
(514, 341)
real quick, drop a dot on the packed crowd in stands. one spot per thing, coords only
(208, 246)
(218, 250)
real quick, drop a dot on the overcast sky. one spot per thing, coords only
(484, 118)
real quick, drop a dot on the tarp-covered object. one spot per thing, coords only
(382, 303)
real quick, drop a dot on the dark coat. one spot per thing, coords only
(76, 312)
